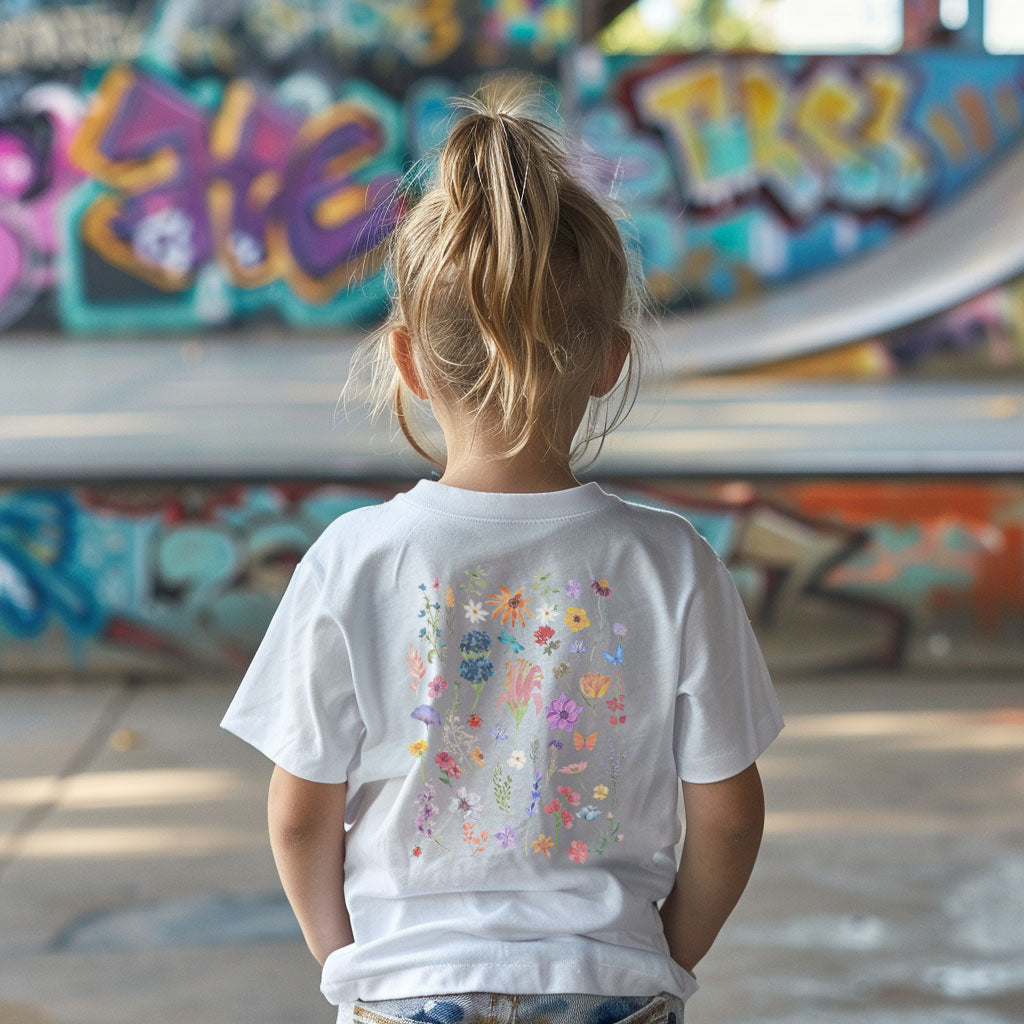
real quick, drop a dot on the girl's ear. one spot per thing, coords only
(401, 353)
(606, 379)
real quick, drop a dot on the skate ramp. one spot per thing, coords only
(952, 255)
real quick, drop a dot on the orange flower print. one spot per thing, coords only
(510, 606)
(576, 619)
(594, 685)
(542, 845)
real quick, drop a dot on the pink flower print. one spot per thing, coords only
(436, 686)
(571, 796)
(601, 588)
(522, 684)
(617, 704)
(563, 713)
(578, 851)
(542, 634)
(573, 589)
(448, 766)
(552, 806)
(566, 817)
(437, 583)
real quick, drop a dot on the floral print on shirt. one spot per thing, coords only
(521, 688)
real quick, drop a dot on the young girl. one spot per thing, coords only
(480, 696)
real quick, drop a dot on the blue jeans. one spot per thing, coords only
(500, 1008)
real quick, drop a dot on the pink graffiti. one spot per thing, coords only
(35, 175)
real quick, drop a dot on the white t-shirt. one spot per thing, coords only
(512, 686)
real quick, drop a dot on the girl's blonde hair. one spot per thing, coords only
(512, 279)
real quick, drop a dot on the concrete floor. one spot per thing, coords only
(136, 883)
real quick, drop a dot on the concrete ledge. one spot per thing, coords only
(257, 409)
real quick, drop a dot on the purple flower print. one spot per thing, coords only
(426, 714)
(507, 837)
(426, 812)
(534, 794)
(619, 629)
(574, 588)
(563, 713)
(556, 744)
(578, 647)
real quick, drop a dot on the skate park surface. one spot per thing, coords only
(137, 882)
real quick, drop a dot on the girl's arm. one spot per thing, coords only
(307, 836)
(724, 824)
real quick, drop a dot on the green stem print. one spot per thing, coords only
(474, 585)
(612, 832)
(431, 632)
(542, 585)
(554, 808)
(552, 765)
(449, 611)
(502, 788)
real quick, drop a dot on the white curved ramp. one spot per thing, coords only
(962, 249)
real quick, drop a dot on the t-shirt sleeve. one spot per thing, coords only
(296, 702)
(727, 711)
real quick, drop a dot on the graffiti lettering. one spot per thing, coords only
(72, 36)
(267, 193)
(737, 125)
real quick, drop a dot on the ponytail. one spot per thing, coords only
(511, 277)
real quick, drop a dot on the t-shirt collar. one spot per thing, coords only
(438, 497)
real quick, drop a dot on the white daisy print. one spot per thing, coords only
(475, 611)
(548, 613)
(516, 760)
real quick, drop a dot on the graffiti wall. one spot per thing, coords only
(189, 165)
(744, 172)
(193, 165)
(834, 574)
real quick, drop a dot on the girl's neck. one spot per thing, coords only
(524, 473)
